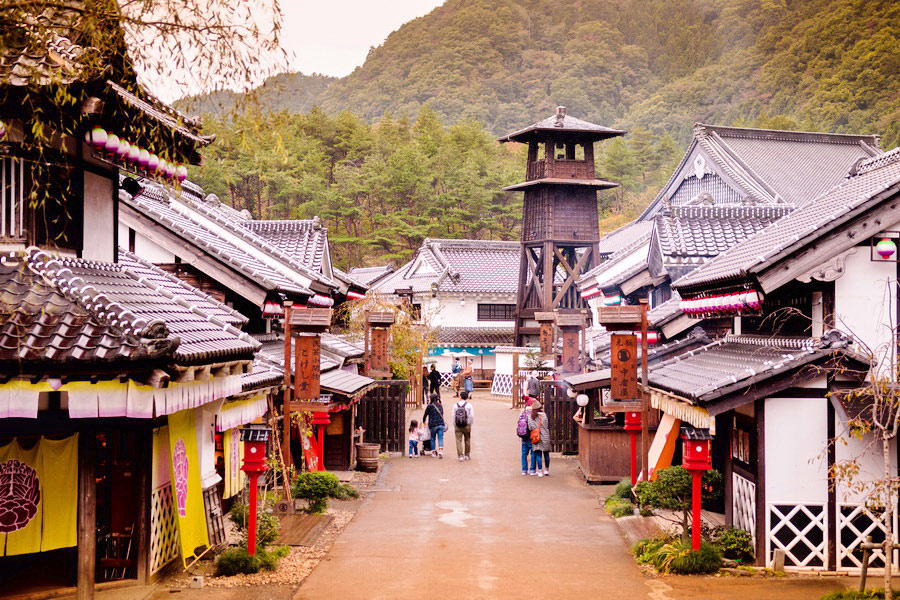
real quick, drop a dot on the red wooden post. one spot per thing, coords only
(320, 421)
(697, 458)
(254, 439)
(633, 427)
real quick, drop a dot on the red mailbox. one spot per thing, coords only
(255, 438)
(633, 427)
(696, 452)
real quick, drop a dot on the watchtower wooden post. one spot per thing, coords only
(560, 228)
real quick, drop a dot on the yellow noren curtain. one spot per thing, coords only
(187, 489)
(233, 450)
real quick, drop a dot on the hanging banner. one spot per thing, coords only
(623, 367)
(187, 490)
(307, 375)
(38, 496)
(233, 450)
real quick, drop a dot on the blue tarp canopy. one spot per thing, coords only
(447, 351)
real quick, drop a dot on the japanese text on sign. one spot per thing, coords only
(623, 370)
(306, 384)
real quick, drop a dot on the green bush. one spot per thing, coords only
(877, 594)
(317, 488)
(268, 526)
(623, 490)
(236, 560)
(673, 490)
(269, 557)
(733, 543)
(669, 555)
(618, 507)
(345, 491)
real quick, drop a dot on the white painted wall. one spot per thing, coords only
(149, 250)
(99, 218)
(865, 301)
(205, 418)
(867, 454)
(462, 311)
(796, 444)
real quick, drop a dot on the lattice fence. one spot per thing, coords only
(502, 384)
(447, 380)
(799, 530)
(163, 528)
(743, 504)
(854, 523)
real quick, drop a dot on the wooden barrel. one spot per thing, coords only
(367, 457)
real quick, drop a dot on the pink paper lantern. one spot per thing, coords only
(143, 158)
(134, 154)
(181, 172)
(153, 162)
(112, 144)
(99, 137)
(122, 150)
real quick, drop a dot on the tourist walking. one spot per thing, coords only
(413, 438)
(533, 385)
(463, 417)
(539, 432)
(522, 432)
(455, 371)
(434, 380)
(424, 385)
(468, 375)
(434, 416)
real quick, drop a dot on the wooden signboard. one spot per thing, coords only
(623, 372)
(307, 371)
(620, 317)
(546, 337)
(570, 356)
(379, 357)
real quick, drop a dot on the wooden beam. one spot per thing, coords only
(142, 524)
(761, 481)
(87, 515)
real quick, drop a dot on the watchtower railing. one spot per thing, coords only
(560, 169)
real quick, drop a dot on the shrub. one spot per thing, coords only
(877, 594)
(623, 490)
(734, 543)
(268, 526)
(672, 490)
(345, 491)
(236, 560)
(317, 488)
(618, 507)
(669, 555)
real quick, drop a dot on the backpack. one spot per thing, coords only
(536, 432)
(522, 427)
(461, 417)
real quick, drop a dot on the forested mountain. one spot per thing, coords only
(660, 64)
(403, 148)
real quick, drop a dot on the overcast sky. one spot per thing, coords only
(334, 36)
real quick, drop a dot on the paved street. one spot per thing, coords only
(478, 529)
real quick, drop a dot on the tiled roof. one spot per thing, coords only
(656, 352)
(624, 236)
(64, 309)
(476, 336)
(563, 122)
(705, 231)
(40, 322)
(30, 62)
(768, 166)
(304, 240)
(810, 222)
(665, 312)
(155, 277)
(156, 203)
(347, 279)
(161, 112)
(339, 346)
(624, 259)
(734, 363)
(370, 275)
(459, 266)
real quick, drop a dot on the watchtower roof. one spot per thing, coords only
(561, 122)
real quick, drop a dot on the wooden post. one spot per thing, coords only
(142, 526)
(645, 396)
(516, 390)
(286, 397)
(417, 378)
(87, 515)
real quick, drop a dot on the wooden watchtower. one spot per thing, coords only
(560, 228)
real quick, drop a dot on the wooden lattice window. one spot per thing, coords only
(496, 312)
(12, 199)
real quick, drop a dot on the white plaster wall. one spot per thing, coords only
(151, 251)
(462, 311)
(503, 363)
(123, 235)
(865, 301)
(796, 444)
(99, 218)
(867, 454)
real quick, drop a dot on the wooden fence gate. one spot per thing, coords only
(560, 409)
(382, 413)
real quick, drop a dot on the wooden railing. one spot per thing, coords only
(560, 169)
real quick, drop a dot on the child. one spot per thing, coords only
(413, 438)
(425, 438)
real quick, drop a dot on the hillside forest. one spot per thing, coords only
(404, 147)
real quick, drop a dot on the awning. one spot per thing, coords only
(241, 412)
(458, 351)
(681, 409)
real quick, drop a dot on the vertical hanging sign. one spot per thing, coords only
(623, 371)
(308, 372)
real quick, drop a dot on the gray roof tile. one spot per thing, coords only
(706, 231)
(370, 275)
(304, 240)
(475, 336)
(877, 177)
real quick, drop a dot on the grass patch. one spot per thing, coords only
(855, 595)
(669, 555)
(236, 561)
(618, 507)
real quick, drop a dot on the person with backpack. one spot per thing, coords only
(522, 432)
(434, 415)
(539, 434)
(463, 417)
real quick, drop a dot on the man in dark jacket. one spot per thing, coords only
(434, 417)
(434, 380)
